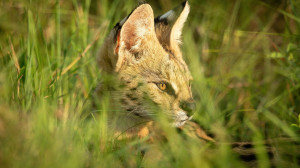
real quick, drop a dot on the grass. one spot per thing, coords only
(244, 56)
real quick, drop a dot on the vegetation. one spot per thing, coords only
(244, 56)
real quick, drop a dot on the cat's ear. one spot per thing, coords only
(169, 26)
(136, 31)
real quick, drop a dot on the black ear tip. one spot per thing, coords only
(171, 16)
(184, 3)
(141, 2)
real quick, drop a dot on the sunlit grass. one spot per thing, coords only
(243, 55)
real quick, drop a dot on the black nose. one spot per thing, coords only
(189, 107)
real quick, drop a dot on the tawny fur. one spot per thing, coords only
(141, 54)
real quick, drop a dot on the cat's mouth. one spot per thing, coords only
(180, 119)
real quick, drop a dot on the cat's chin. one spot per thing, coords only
(178, 123)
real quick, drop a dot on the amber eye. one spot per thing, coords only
(162, 86)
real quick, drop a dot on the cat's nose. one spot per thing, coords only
(189, 107)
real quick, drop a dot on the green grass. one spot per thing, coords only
(244, 56)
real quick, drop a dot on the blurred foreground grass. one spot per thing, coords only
(244, 56)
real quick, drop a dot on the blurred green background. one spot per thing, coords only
(244, 56)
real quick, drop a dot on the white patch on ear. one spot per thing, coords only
(141, 32)
(136, 46)
(177, 28)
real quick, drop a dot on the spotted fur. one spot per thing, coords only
(143, 51)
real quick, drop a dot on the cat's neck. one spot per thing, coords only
(128, 126)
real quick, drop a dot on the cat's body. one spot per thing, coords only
(143, 53)
(149, 75)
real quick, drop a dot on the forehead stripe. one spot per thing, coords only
(176, 60)
(175, 87)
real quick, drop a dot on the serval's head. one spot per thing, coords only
(149, 63)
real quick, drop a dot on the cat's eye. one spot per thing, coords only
(162, 86)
